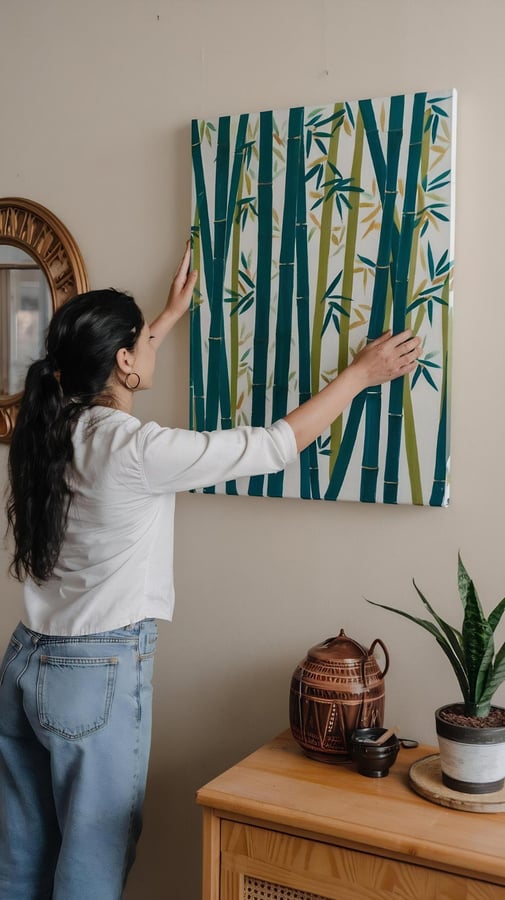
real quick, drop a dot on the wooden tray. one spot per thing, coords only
(425, 777)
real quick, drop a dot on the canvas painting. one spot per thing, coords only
(314, 230)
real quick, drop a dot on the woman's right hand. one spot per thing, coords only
(387, 357)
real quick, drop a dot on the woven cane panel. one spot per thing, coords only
(254, 889)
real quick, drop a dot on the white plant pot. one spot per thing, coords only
(472, 759)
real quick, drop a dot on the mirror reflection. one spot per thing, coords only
(25, 310)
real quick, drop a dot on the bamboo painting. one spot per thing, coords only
(314, 230)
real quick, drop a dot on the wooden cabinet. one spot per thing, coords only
(279, 826)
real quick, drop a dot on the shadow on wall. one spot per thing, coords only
(169, 854)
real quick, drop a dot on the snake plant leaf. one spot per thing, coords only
(496, 614)
(478, 644)
(453, 636)
(465, 584)
(496, 676)
(446, 646)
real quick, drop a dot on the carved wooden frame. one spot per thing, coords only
(35, 229)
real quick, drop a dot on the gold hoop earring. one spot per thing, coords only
(130, 386)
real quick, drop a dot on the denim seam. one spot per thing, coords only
(84, 639)
(81, 660)
(17, 647)
(134, 785)
(28, 660)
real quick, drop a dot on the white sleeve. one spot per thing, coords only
(175, 459)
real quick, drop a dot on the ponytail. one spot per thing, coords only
(40, 450)
(83, 339)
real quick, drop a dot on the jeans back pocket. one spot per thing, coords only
(74, 694)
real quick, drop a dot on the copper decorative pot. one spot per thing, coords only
(338, 687)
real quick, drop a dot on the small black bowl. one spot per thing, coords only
(373, 760)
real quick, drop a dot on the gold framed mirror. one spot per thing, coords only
(40, 268)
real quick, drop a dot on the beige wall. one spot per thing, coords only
(95, 104)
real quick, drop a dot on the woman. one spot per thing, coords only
(91, 510)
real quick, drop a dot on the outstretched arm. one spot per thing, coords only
(179, 299)
(387, 357)
(381, 360)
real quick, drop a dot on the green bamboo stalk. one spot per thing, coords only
(286, 282)
(324, 254)
(397, 387)
(234, 318)
(263, 282)
(370, 459)
(232, 211)
(309, 474)
(348, 278)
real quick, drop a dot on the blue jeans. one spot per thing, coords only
(75, 733)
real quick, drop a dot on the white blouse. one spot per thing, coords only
(116, 562)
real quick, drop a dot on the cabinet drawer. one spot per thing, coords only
(259, 864)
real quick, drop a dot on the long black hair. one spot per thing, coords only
(82, 341)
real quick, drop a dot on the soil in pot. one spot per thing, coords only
(455, 715)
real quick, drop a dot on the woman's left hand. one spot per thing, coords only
(181, 289)
(179, 299)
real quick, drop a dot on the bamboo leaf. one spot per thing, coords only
(327, 320)
(245, 277)
(332, 285)
(439, 110)
(350, 115)
(416, 377)
(368, 262)
(429, 379)
(431, 265)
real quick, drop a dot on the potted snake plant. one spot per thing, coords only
(471, 732)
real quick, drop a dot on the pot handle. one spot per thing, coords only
(386, 654)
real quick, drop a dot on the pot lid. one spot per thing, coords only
(338, 648)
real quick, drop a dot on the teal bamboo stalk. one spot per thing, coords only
(339, 470)
(263, 282)
(197, 402)
(218, 389)
(411, 449)
(232, 209)
(234, 318)
(286, 282)
(442, 450)
(440, 473)
(309, 473)
(348, 277)
(324, 252)
(370, 460)
(216, 336)
(379, 164)
(395, 411)
(346, 447)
